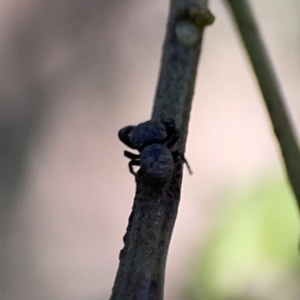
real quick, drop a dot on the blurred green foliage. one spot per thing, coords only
(252, 252)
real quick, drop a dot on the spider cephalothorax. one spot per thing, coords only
(154, 140)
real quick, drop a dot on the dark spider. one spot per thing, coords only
(154, 140)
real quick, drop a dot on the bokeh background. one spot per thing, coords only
(72, 74)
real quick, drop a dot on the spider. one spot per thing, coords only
(154, 140)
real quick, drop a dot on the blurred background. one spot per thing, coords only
(72, 74)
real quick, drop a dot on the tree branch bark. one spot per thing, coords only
(270, 89)
(143, 259)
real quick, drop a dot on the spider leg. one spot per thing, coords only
(179, 156)
(124, 137)
(173, 134)
(133, 163)
(170, 126)
(174, 139)
(131, 155)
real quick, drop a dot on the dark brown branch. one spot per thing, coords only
(143, 258)
(270, 89)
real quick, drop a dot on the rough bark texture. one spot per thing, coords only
(143, 258)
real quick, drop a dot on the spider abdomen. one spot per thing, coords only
(157, 162)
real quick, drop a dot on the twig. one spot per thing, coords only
(143, 258)
(270, 89)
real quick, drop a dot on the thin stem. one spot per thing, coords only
(143, 259)
(270, 89)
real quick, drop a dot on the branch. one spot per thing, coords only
(143, 258)
(270, 89)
